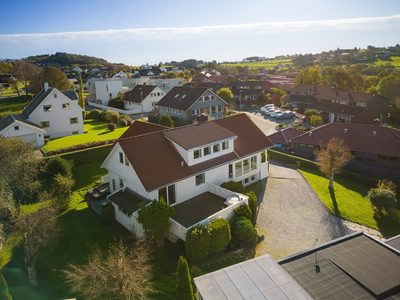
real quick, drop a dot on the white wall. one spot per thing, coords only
(58, 117)
(26, 132)
(192, 161)
(132, 82)
(166, 84)
(105, 90)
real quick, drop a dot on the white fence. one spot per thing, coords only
(120, 111)
(105, 179)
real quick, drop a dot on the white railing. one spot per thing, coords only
(105, 179)
(178, 229)
(219, 191)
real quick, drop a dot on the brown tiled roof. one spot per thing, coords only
(238, 92)
(157, 163)
(386, 141)
(337, 108)
(246, 83)
(181, 97)
(285, 135)
(134, 94)
(314, 88)
(344, 96)
(139, 128)
(193, 136)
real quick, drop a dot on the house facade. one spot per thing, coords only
(185, 162)
(249, 85)
(143, 97)
(119, 74)
(14, 126)
(166, 84)
(188, 103)
(100, 91)
(55, 112)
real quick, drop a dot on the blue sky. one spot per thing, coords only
(138, 32)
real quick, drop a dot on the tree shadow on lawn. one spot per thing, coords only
(334, 202)
(388, 219)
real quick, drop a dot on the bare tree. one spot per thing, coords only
(122, 274)
(332, 158)
(24, 72)
(14, 85)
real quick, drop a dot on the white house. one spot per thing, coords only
(143, 97)
(166, 84)
(102, 90)
(185, 166)
(15, 126)
(56, 112)
(120, 74)
(130, 83)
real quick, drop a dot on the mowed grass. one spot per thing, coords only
(394, 60)
(349, 200)
(265, 64)
(394, 125)
(13, 105)
(96, 131)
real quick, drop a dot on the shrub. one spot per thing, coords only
(244, 231)
(114, 116)
(243, 211)
(253, 204)
(111, 126)
(126, 118)
(61, 188)
(198, 243)
(57, 165)
(122, 123)
(382, 197)
(312, 112)
(220, 235)
(184, 289)
(386, 185)
(107, 116)
(166, 121)
(4, 294)
(281, 125)
(46, 141)
(85, 114)
(233, 186)
(108, 213)
(94, 114)
(299, 110)
(316, 120)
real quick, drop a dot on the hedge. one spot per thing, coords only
(177, 123)
(244, 231)
(87, 156)
(80, 147)
(244, 211)
(233, 186)
(220, 235)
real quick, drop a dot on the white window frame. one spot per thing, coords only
(75, 118)
(42, 123)
(48, 110)
(66, 106)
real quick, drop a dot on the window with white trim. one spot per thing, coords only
(121, 183)
(121, 157)
(238, 169)
(362, 104)
(207, 150)
(254, 163)
(47, 108)
(197, 153)
(55, 95)
(168, 194)
(230, 171)
(45, 124)
(73, 120)
(246, 166)
(196, 111)
(216, 148)
(200, 179)
(225, 145)
(65, 106)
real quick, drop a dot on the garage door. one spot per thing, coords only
(28, 137)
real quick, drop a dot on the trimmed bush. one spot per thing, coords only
(243, 211)
(110, 116)
(80, 147)
(198, 243)
(233, 186)
(111, 126)
(126, 118)
(166, 120)
(108, 213)
(244, 231)
(382, 197)
(57, 165)
(122, 123)
(220, 235)
(253, 204)
(94, 114)
(116, 103)
(184, 289)
(4, 294)
(114, 117)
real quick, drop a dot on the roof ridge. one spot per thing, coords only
(307, 132)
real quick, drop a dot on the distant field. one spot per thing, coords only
(394, 60)
(265, 64)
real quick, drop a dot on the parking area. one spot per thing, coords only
(266, 123)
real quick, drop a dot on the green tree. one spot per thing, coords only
(316, 120)
(61, 189)
(166, 121)
(5, 68)
(81, 100)
(184, 289)
(53, 76)
(14, 83)
(155, 219)
(226, 95)
(25, 72)
(4, 294)
(253, 204)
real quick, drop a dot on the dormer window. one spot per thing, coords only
(216, 148)
(197, 154)
(46, 108)
(362, 104)
(206, 98)
(207, 150)
(225, 145)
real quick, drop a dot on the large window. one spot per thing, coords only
(121, 157)
(254, 163)
(246, 166)
(46, 108)
(65, 106)
(196, 112)
(238, 169)
(230, 171)
(200, 179)
(126, 161)
(197, 153)
(168, 194)
(207, 150)
(216, 148)
(225, 145)
(45, 124)
(121, 183)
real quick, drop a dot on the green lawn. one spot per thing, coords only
(349, 200)
(265, 64)
(97, 131)
(394, 125)
(14, 105)
(394, 60)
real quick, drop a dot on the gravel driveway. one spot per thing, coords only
(291, 216)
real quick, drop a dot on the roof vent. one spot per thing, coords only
(345, 130)
(374, 133)
(182, 163)
(310, 133)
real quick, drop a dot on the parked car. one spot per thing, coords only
(265, 107)
(268, 112)
(273, 113)
(279, 114)
(286, 115)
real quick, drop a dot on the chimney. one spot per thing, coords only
(310, 133)
(374, 133)
(46, 86)
(334, 85)
(182, 163)
(345, 131)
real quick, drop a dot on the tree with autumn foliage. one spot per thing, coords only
(81, 100)
(332, 158)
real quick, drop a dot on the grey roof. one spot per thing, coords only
(127, 199)
(257, 278)
(71, 95)
(7, 121)
(394, 242)
(352, 267)
(35, 102)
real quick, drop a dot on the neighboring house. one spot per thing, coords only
(6, 78)
(214, 86)
(313, 90)
(249, 85)
(143, 97)
(120, 74)
(130, 83)
(15, 126)
(188, 103)
(102, 90)
(77, 69)
(283, 137)
(149, 71)
(185, 166)
(340, 106)
(166, 84)
(56, 112)
(356, 266)
(376, 150)
(247, 97)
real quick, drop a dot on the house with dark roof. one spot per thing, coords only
(249, 85)
(15, 126)
(337, 105)
(188, 103)
(376, 150)
(58, 113)
(185, 166)
(283, 137)
(143, 98)
(355, 266)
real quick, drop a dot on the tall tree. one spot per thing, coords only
(25, 72)
(5, 68)
(80, 92)
(332, 158)
(122, 273)
(14, 83)
(184, 289)
(53, 76)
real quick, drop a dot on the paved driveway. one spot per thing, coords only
(291, 216)
(266, 123)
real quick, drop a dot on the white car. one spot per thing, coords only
(268, 111)
(279, 114)
(273, 114)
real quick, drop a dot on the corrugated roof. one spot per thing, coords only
(135, 94)
(194, 136)
(258, 278)
(352, 267)
(394, 242)
(181, 97)
(385, 141)
(285, 135)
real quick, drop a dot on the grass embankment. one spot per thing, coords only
(349, 200)
(96, 131)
